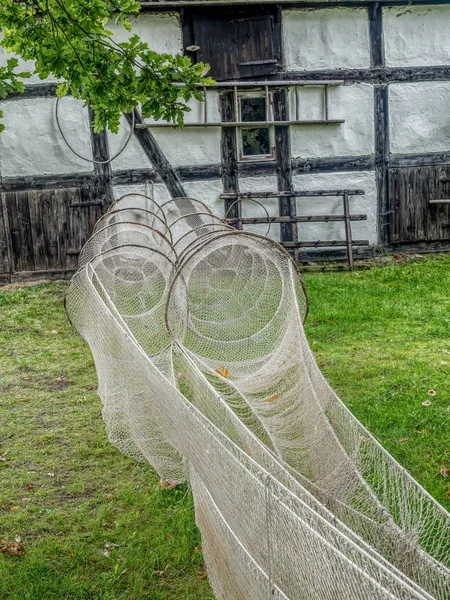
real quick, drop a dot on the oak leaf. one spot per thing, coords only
(223, 371)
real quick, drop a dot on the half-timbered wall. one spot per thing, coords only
(394, 66)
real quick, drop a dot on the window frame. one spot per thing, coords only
(270, 126)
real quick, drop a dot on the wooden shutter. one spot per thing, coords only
(237, 44)
(413, 218)
(44, 230)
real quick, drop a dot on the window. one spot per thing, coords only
(237, 43)
(255, 142)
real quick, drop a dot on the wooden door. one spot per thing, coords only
(44, 230)
(413, 217)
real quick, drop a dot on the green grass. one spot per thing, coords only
(85, 493)
(381, 337)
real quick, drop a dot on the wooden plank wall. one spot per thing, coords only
(44, 230)
(413, 218)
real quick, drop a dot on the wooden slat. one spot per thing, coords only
(302, 194)
(35, 201)
(299, 219)
(20, 231)
(5, 239)
(324, 244)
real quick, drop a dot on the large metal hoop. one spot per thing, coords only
(257, 202)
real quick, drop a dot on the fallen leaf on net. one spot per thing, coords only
(12, 548)
(444, 472)
(222, 371)
(431, 392)
(426, 403)
(90, 388)
(168, 484)
(275, 397)
(203, 576)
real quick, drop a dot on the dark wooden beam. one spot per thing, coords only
(373, 75)
(158, 159)
(333, 164)
(102, 168)
(419, 160)
(228, 146)
(381, 114)
(286, 206)
(48, 182)
(376, 35)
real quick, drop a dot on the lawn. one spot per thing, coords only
(94, 524)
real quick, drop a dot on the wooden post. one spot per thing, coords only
(103, 171)
(348, 230)
(158, 159)
(228, 144)
(287, 205)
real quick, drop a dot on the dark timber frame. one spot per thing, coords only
(103, 177)
(102, 168)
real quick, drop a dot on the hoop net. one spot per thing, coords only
(204, 370)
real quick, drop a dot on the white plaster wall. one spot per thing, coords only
(157, 191)
(192, 146)
(417, 35)
(24, 65)
(209, 193)
(132, 157)
(354, 103)
(329, 38)
(366, 204)
(419, 117)
(162, 32)
(31, 143)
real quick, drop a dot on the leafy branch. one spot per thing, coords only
(70, 40)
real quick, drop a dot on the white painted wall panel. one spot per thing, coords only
(162, 32)
(192, 146)
(419, 117)
(31, 143)
(329, 38)
(354, 103)
(417, 35)
(209, 193)
(133, 157)
(366, 204)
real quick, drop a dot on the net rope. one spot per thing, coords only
(204, 371)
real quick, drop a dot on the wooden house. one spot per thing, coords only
(329, 119)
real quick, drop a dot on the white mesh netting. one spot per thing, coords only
(204, 370)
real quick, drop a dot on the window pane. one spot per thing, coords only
(253, 109)
(255, 141)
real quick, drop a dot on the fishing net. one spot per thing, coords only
(204, 371)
